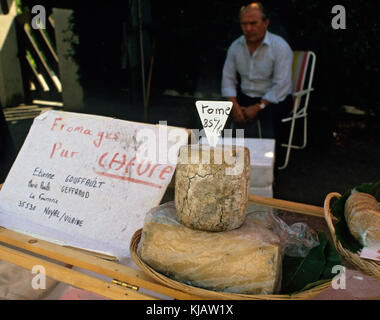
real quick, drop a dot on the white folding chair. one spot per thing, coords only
(302, 77)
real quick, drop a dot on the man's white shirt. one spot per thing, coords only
(267, 73)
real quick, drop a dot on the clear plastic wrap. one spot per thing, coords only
(245, 260)
(296, 240)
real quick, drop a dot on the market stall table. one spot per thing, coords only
(101, 277)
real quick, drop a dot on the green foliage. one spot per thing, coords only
(332, 259)
(341, 229)
(19, 6)
(31, 59)
(300, 274)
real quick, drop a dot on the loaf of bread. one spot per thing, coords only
(212, 187)
(244, 260)
(362, 213)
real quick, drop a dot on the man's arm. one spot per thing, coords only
(238, 114)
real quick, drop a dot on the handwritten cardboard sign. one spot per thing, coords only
(213, 115)
(88, 181)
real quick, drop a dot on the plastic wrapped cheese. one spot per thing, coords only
(244, 260)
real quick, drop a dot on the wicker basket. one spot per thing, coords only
(369, 267)
(214, 295)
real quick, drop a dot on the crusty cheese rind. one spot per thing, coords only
(212, 195)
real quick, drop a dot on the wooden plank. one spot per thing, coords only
(10, 112)
(22, 113)
(36, 74)
(48, 44)
(49, 103)
(22, 107)
(17, 114)
(72, 277)
(28, 32)
(287, 205)
(89, 262)
(21, 117)
(51, 20)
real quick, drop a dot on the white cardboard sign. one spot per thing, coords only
(213, 115)
(372, 253)
(88, 181)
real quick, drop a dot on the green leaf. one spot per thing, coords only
(332, 259)
(300, 272)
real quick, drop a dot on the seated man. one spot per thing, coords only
(263, 61)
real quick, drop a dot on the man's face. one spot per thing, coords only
(253, 26)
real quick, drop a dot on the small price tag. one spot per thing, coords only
(213, 115)
(372, 253)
